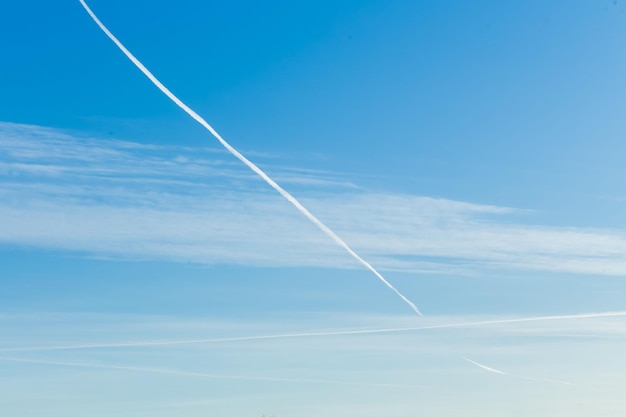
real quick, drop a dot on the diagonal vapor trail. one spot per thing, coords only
(315, 334)
(179, 372)
(528, 378)
(243, 159)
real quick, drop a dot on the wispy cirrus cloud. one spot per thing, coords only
(120, 199)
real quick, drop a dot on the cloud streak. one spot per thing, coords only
(156, 343)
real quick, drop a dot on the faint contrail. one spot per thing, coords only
(496, 371)
(315, 334)
(169, 371)
(486, 367)
(242, 158)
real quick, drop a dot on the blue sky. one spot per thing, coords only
(472, 152)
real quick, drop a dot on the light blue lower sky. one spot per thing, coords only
(109, 243)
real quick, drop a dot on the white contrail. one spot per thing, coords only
(242, 158)
(170, 371)
(316, 334)
(497, 371)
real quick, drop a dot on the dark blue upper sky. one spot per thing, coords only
(451, 96)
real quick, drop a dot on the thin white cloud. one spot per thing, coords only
(116, 199)
(180, 372)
